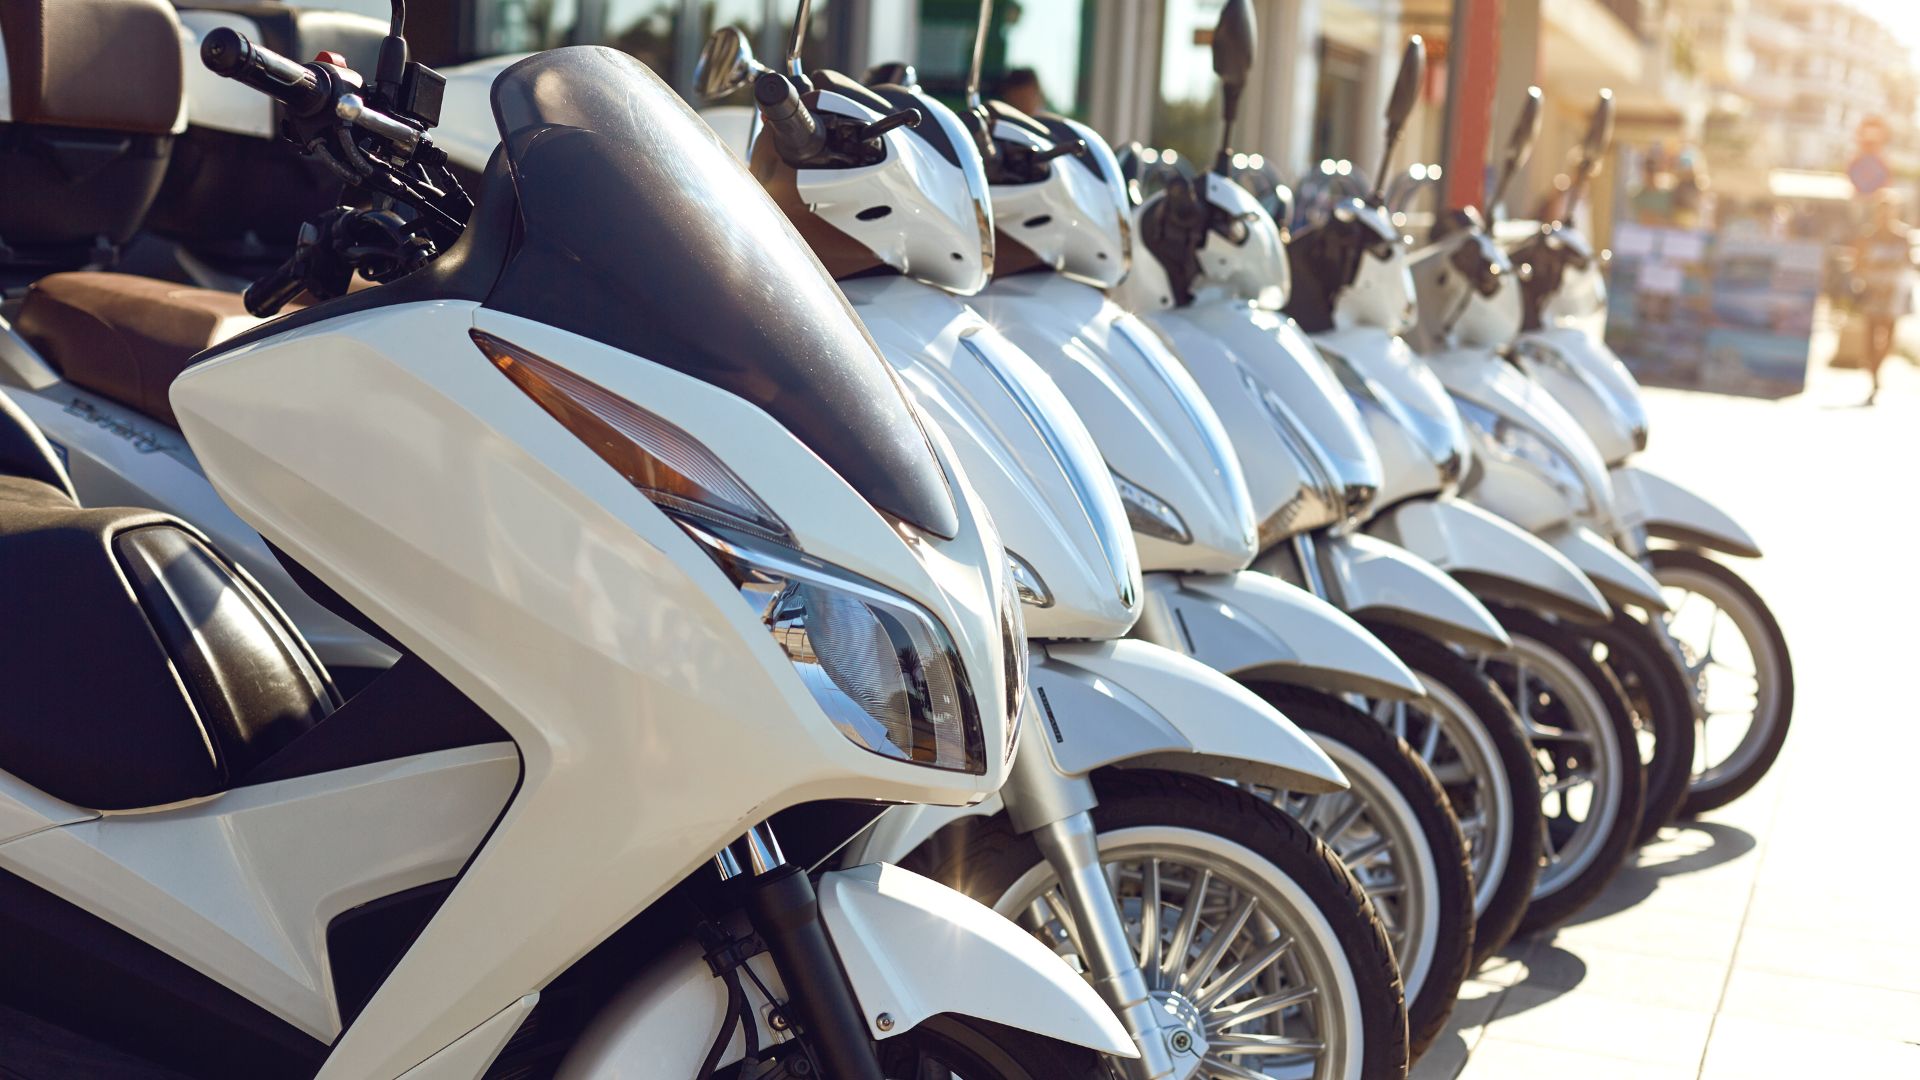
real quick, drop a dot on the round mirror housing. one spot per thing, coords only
(726, 64)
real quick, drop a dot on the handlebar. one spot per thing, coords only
(265, 297)
(795, 132)
(227, 52)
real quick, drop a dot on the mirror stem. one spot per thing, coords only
(801, 19)
(979, 54)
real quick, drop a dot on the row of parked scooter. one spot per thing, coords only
(1146, 569)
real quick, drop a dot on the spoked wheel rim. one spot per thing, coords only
(1447, 735)
(1252, 975)
(1581, 771)
(1731, 669)
(1372, 830)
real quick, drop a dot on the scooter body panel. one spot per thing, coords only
(1150, 421)
(384, 453)
(1421, 439)
(1493, 557)
(25, 809)
(1619, 577)
(1301, 441)
(1585, 377)
(1256, 627)
(242, 886)
(1023, 448)
(1134, 703)
(1370, 578)
(1664, 509)
(119, 456)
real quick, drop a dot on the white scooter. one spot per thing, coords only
(1211, 281)
(1063, 214)
(1137, 731)
(1469, 298)
(1742, 689)
(647, 602)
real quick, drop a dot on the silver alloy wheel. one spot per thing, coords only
(1580, 764)
(1247, 971)
(1733, 674)
(1374, 832)
(1456, 747)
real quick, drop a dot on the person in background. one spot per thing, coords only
(1020, 88)
(1883, 276)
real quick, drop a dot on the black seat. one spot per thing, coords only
(138, 666)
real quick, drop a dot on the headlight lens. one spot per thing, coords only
(1507, 441)
(881, 666)
(1028, 582)
(1151, 515)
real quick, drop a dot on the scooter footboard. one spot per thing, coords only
(911, 948)
(1493, 557)
(1663, 508)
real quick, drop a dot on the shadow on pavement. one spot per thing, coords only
(1699, 845)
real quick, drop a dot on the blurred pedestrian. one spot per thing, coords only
(1883, 280)
(1020, 88)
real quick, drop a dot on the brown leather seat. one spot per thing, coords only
(126, 337)
(112, 64)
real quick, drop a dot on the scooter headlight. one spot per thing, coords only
(1505, 440)
(1150, 514)
(881, 666)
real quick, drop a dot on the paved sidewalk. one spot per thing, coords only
(1778, 937)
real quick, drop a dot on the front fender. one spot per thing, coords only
(911, 947)
(1620, 579)
(1256, 627)
(1665, 509)
(1370, 578)
(1134, 703)
(1493, 557)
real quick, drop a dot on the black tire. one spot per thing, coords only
(1329, 719)
(978, 1050)
(1433, 661)
(1773, 729)
(985, 858)
(1618, 841)
(1656, 689)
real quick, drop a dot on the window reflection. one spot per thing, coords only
(1038, 52)
(1186, 118)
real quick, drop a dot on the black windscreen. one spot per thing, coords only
(643, 231)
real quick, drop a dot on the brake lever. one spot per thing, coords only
(907, 117)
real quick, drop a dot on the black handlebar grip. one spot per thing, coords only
(265, 297)
(227, 52)
(796, 135)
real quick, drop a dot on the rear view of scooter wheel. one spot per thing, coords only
(1740, 670)
(1246, 927)
(1592, 785)
(1466, 732)
(1657, 689)
(963, 1048)
(1395, 832)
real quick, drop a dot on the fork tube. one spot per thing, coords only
(1072, 850)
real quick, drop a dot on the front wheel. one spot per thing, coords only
(1253, 939)
(963, 1048)
(1657, 688)
(1592, 783)
(1742, 676)
(1395, 831)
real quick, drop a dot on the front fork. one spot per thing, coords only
(1634, 543)
(1056, 810)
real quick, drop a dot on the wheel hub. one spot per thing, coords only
(1184, 1028)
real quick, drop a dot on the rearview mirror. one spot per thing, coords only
(1599, 134)
(726, 64)
(1233, 42)
(1519, 146)
(1406, 93)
